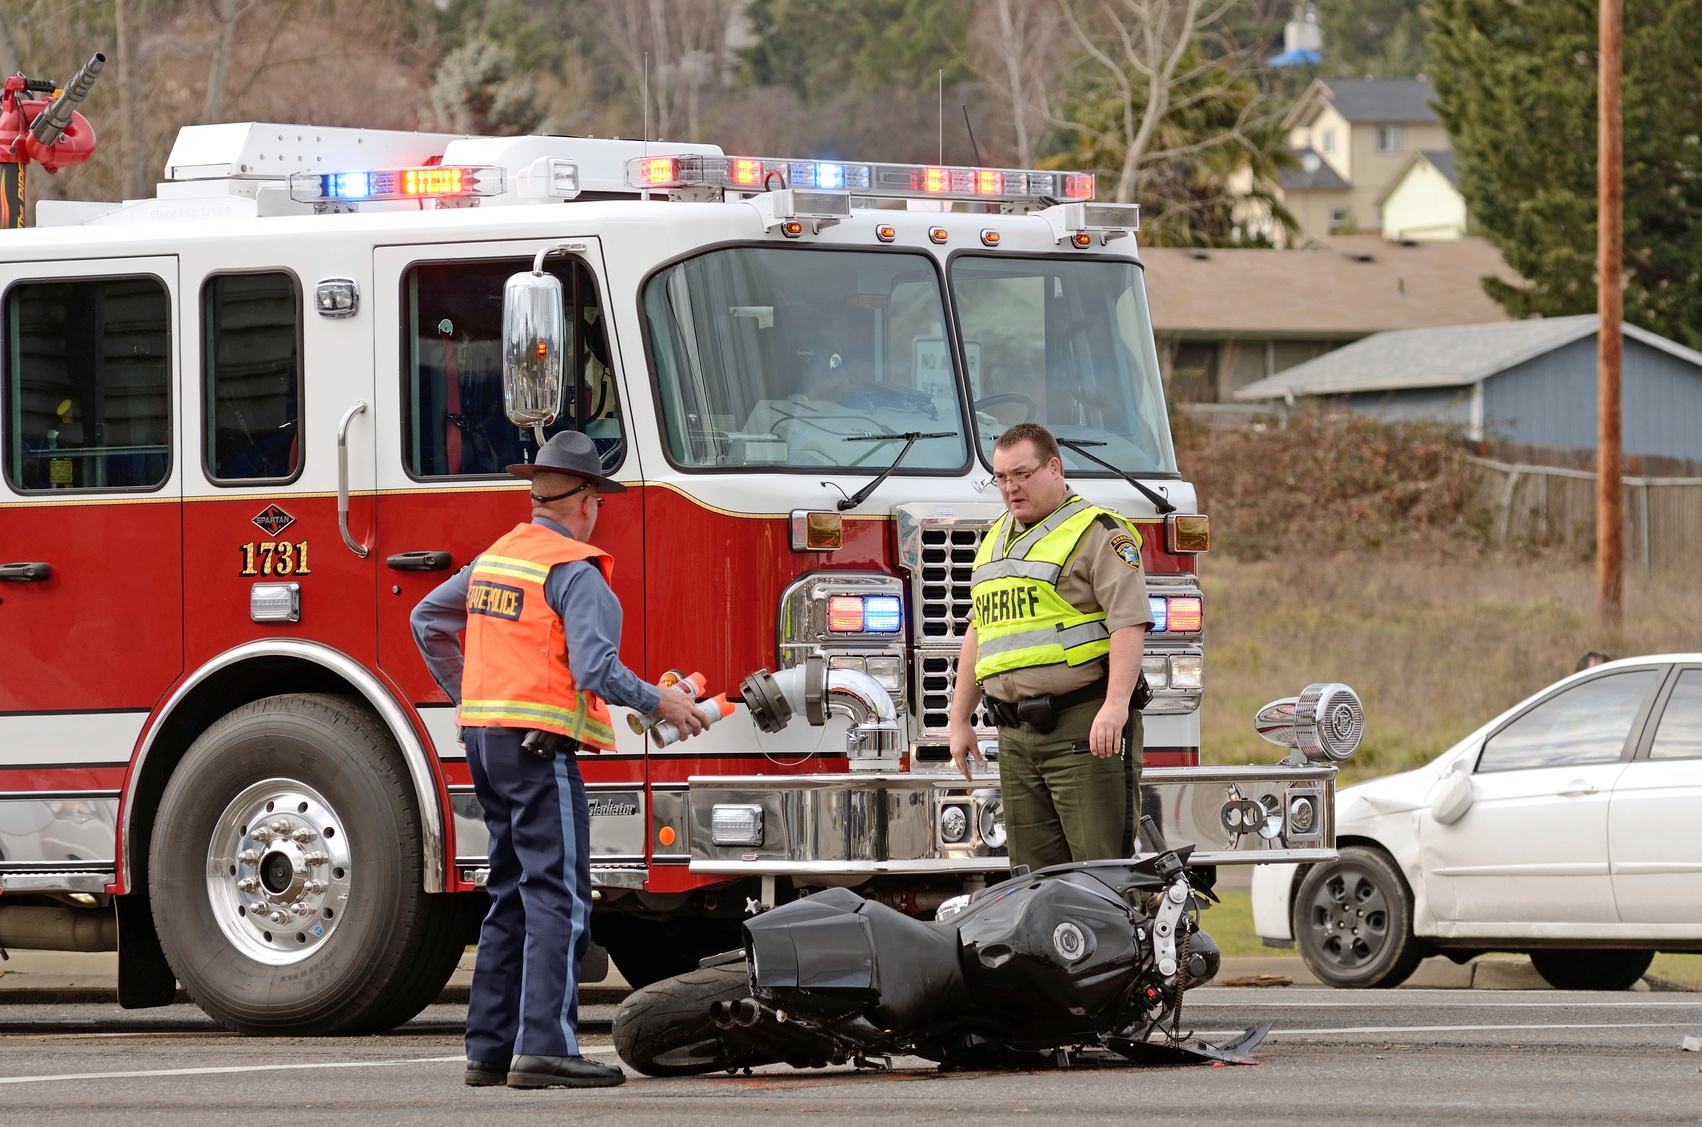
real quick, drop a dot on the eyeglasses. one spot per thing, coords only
(1016, 477)
(582, 486)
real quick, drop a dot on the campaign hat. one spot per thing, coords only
(570, 452)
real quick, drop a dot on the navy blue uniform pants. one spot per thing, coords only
(525, 997)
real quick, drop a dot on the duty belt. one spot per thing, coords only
(1041, 713)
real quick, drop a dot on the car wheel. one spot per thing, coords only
(287, 879)
(1591, 970)
(1353, 921)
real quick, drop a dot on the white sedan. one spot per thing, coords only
(1569, 827)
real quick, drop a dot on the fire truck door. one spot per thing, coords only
(91, 589)
(272, 431)
(444, 440)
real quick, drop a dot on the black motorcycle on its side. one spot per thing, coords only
(1079, 964)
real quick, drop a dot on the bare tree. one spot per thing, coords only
(132, 165)
(1152, 53)
(41, 187)
(673, 50)
(1017, 51)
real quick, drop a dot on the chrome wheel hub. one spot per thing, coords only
(278, 871)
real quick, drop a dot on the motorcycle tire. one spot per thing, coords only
(664, 1029)
(1591, 970)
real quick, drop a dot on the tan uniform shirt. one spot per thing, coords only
(1103, 573)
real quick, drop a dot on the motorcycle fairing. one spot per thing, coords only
(829, 951)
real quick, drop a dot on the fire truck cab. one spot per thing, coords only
(247, 424)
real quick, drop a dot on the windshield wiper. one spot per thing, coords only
(1164, 507)
(910, 437)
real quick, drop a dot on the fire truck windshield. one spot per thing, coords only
(781, 357)
(1067, 343)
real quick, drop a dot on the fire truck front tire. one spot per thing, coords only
(286, 875)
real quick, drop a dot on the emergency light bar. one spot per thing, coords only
(371, 185)
(896, 181)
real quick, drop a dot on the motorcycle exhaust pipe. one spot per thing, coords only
(721, 1015)
(746, 1012)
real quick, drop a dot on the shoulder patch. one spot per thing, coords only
(1127, 550)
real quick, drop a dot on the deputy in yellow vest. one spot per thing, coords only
(542, 655)
(1055, 642)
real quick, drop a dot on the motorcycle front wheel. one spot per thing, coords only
(664, 1029)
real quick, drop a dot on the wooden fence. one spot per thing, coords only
(1551, 505)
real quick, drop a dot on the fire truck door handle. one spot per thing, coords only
(357, 548)
(418, 561)
(26, 572)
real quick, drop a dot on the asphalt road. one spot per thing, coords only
(1408, 1056)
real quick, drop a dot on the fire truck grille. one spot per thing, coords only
(943, 560)
(948, 559)
(937, 674)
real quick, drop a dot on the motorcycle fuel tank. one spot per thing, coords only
(1052, 955)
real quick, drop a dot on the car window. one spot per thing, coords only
(1587, 723)
(1680, 733)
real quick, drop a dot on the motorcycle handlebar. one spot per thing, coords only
(1152, 835)
(52, 122)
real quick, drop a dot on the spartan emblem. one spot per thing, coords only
(273, 520)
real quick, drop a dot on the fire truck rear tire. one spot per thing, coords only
(286, 874)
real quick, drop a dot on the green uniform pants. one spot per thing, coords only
(1064, 804)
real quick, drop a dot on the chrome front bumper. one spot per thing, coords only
(893, 824)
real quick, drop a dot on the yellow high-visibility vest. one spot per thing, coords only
(1020, 619)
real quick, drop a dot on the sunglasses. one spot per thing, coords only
(580, 488)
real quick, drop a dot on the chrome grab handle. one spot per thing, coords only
(343, 480)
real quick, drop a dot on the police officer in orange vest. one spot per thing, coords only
(543, 637)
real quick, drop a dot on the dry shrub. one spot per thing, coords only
(1325, 482)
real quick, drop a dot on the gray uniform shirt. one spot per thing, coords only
(590, 616)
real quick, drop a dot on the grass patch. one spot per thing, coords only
(1231, 924)
(1434, 647)
(1674, 968)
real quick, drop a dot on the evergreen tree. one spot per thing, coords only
(1516, 81)
(1372, 38)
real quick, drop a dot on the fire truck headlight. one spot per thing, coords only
(888, 672)
(954, 824)
(1187, 671)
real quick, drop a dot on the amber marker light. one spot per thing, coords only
(938, 234)
(989, 238)
(665, 835)
(886, 233)
(1082, 240)
(792, 228)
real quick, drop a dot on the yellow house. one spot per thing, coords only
(1425, 202)
(1366, 131)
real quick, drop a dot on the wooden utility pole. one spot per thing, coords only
(1610, 304)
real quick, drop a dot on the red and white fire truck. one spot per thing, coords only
(248, 423)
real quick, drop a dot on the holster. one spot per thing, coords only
(545, 745)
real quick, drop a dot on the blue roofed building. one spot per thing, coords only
(1530, 382)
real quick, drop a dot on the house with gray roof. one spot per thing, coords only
(1365, 131)
(1531, 382)
(1425, 201)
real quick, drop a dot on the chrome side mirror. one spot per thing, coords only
(1324, 723)
(534, 339)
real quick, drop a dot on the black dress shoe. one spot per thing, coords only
(562, 1072)
(483, 1075)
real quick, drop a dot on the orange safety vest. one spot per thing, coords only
(517, 674)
